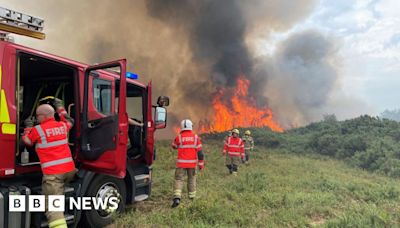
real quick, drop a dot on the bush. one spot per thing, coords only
(367, 142)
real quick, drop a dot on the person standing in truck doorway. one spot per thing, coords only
(50, 138)
(190, 155)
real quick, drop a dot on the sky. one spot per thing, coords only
(368, 37)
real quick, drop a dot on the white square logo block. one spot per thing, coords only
(16, 203)
(37, 203)
(56, 203)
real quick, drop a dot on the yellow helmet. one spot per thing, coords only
(247, 132)
(235, 131)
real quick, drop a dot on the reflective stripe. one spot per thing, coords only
(192, 194)
(4, 114)
(51, 144)
(58, 223)
(234, 153)
(8, 128)
(187, 146)
(41, 134)
(56, 162)
(235, 146)
(247, 148)
(180, 139)
(186, 161)
(177, 193)
(201, 163)
(199, 146)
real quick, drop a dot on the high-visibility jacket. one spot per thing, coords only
(51, 143)
(189, 150)
(234, 146)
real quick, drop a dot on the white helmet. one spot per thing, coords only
(186, 124)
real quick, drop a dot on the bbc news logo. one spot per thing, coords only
(37, 203)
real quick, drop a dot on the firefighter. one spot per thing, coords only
(50, 138)
(234, 151)
(248, 145)
(190, 155)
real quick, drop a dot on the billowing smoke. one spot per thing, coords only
(302, 76)
(192, 48)
(300, 72)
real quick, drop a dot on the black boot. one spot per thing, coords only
(230, 168)
(234, 169)
(175, 202)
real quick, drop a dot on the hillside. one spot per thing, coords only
(278, 189)
(370, 143)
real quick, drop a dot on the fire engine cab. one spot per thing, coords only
(113, 157)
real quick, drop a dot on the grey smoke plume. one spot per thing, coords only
(218, 29)
(303, 75)
(191, 48)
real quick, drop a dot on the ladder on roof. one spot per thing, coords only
(22, 24)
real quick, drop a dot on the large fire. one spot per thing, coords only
(233, 107)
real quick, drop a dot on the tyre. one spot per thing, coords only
(104, 186)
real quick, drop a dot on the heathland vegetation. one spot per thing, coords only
(330, 174)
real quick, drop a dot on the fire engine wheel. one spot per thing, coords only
(104, 187)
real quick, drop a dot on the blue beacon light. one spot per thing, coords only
(131, 75)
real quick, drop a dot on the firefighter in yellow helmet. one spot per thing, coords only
(248, 145)
(234, 150)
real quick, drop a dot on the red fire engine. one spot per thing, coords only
(114, 158)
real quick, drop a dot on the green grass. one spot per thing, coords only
(275, 190)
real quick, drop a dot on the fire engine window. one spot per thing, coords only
(102, 95)
(134, 108)
(134, 101)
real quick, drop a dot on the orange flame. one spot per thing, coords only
(240, 110)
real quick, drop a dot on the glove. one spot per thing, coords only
(29, 122)
(201, 164)
(58, 104)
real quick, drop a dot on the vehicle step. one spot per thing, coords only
(142, 177)
(38, 189)
(141, 197)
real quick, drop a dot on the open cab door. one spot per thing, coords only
(104, 140)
